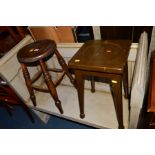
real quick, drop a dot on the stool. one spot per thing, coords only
(107, 60)
(38, 53)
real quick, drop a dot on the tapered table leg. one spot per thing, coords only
(92, 84)
(116, 86)
(125, 81)
(80, 90)
(126, 85)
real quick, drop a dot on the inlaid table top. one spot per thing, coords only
(104, 56)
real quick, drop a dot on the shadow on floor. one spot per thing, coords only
(20, 120)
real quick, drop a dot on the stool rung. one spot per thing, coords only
(36, 76)
(60, 79)
(39, 73)
(55, 70)
(39, 88)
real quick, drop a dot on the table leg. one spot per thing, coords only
(80, 90)
(126, 86)
(112, 93)
(92, 84)
(125, 81)
(116, 86)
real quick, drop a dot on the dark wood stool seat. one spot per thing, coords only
(38, 53)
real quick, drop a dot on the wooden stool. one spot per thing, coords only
(107, 60)
(38, 53)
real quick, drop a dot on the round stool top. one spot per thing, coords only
(35, 51)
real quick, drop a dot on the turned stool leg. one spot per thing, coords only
(28, 83)
(64, 66)
(51, 86)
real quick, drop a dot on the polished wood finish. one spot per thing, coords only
(104, 59)
(102, 56)
(28, 83)
(116, 88)
(64, 66)
(92, 80)
(79, 77)
(50, 85)
(38, 53)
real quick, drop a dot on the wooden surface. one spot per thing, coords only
(105, 59)
(9, 37)
(147, 116)
(151, 98)
(104, 56)
(62, 34)
(36, 51)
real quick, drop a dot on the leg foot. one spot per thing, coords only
(58, 104)
(80, 90)
(82, 116)
(121, 127)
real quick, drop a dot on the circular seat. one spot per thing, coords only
(36, 51)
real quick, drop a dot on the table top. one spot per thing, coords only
(108, 56)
